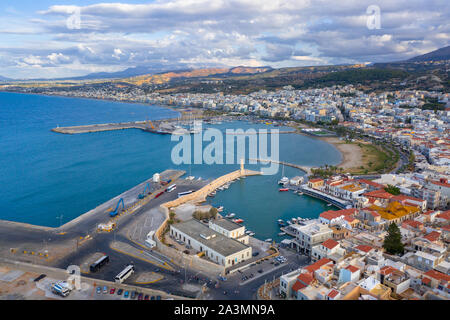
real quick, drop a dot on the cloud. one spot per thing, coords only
(227, 32)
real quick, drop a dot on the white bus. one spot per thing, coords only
(184, 193)
(171, 188)
(124, 274)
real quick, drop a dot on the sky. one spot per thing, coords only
(60, 38)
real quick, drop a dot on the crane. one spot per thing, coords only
(144, 194)
(151, 124)
(116, 211)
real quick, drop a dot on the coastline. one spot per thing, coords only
(352, 155)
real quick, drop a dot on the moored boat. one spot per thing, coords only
(283, 189)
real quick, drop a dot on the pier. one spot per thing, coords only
(341, 204)
(303, 168)
(149, 126)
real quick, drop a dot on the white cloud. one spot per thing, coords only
(231, 32)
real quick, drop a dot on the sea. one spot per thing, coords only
(48, 178)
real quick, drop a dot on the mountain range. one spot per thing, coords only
(158, 74)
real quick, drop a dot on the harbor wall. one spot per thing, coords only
(200, 195)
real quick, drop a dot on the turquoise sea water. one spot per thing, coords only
(44, 174)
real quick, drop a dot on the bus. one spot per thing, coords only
(171, 188)
(184, 193)
(124, 274)
(99, 263)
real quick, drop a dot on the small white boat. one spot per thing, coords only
(289, 222)
(294, 220)
(251, 234)
(231, 215)
(300, 193)
(220, 209)
(329, 205)
(282, 234)
(268, 240)
(248, 232)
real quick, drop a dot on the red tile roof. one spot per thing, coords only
(442, 184)
(333, 293)
(330, 243)
(332, 214)
(298, 286)
(426, 280)
(437, 275)
(371, 183)
(351, 268)
(364, 248)
(306, 278)
(444, 215)
(387, 270)
(402, 197)
(315, 180)
(412, 223)
(316, 265)
(432, 236)
(378, 194)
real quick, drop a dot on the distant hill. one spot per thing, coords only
(439, 54)
(130, 72)
(166, 77)
(4, 79)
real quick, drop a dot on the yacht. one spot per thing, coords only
(268, 240)
(220, 209)
(230, 215)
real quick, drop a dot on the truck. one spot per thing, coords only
(62, 288)
(149, 241)
(166, 182)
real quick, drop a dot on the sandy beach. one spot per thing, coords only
(351, 153)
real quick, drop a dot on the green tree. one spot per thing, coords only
(392, 190)
(393, 241)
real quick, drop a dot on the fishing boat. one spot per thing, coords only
(251, 234)
(289, 222)
(281, 222)
(300, 193)
(282, 234)
(248, 232)
(230, 215)
(294, 220)
(238, 220)
(268, 240)
(220, 209)
(283, 189)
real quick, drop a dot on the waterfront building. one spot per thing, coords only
(217, 247)
(229, 229)
(310, 235)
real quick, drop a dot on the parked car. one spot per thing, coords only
(152, 298)
(119, 292)
(158, 297)
(255, 253)
(99, 290)
(112, 290)
(146, 297)
(221, 278)
(126, 294)
(260, 271)
(140, 296)
(105, 289)
(133, 295)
